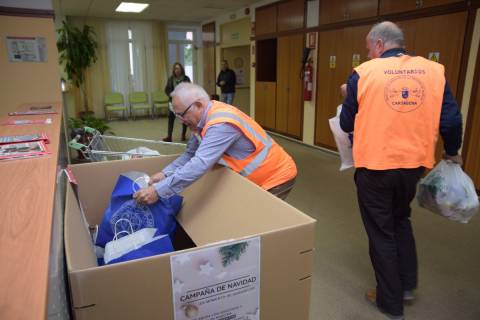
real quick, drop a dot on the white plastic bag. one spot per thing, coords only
(449, 192)
(342, 140)
(139, 151)
(118, 247)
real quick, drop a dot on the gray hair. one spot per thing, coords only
(388, 32)
(188, 93)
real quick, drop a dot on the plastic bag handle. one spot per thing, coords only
(115, 237)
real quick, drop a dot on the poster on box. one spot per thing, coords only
(218, 282)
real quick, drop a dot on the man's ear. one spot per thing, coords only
(380, 44)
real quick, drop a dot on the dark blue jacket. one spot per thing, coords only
(230, 81)
(450, 116)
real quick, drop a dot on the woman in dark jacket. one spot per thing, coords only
(178, 76)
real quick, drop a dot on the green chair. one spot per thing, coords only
(113, 102)
(138, 102)
(160, 102)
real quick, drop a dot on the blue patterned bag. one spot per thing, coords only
(160, 215)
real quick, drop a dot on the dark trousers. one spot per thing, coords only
(281, 191)
(171, 122)
(384, 198)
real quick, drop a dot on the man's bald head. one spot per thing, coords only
(384, 36)
(389, 33)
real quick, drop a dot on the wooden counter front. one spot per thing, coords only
(27, 187)
(27, 190)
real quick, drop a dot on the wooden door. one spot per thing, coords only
(434, 3)
(283, 61)
(295, 87)
(359, 9)
(343, 44)
(289, 98)
(355, 44)
(265, 87)
(332, 11)
(471, 146)
(208, 39)
(332, 68)
(396, 6)
(265, 104)
(443, 34)
(266, 20)
(291, 15)
(409, 30)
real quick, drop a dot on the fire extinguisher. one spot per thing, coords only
(307, 81)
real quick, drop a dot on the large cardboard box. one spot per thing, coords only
(220, 206)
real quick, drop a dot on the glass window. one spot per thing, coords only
(180, 49)
(130, 50)
(188, 59)
(172, 55)
(177, 35)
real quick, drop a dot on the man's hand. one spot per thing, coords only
(146, 196)
(222, 83)
(156, 178)
(455, 159)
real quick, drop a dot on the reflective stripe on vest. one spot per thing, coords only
(260, 157)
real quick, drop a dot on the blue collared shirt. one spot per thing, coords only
(202, 154)
(450, 116)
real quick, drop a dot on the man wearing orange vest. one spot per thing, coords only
(224, 135)
(396, 105)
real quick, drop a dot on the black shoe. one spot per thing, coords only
(371, 296)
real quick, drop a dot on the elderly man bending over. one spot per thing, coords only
(225, 135)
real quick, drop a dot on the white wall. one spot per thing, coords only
(309, 106)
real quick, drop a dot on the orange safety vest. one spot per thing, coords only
(399, 105)
(269, 165)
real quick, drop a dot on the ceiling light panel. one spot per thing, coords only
(131, 7)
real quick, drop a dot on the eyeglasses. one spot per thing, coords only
(181, 114)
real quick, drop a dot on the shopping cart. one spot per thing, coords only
(95, 146)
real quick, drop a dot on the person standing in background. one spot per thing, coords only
(226, 81)
(178, 76)
(397, 104)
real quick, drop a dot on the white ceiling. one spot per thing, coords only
(165, 10)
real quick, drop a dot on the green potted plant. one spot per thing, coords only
(89, 121)
(77, 49)
(81, 135)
